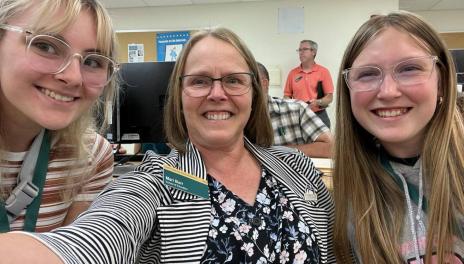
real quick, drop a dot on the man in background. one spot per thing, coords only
(310, 82)
(295, 125)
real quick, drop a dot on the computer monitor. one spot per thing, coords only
(138, 113)
(458, 57)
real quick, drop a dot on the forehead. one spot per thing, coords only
(305, 44)
(214, 55)
(390, 46)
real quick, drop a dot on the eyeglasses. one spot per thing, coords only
(406, 73)
(233, 84)
(304, 49)
(50, 55)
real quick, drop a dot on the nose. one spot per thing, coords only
(71, 72)
(389, 87)
(217, 92)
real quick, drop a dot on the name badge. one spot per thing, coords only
(310, 196)
(183, 181)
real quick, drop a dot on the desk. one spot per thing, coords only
(325, 166)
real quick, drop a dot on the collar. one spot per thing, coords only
(192, 163)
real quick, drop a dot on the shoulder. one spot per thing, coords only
(295, 70)
(321, 68)
(96, 143)
(289, 155)
(153, 163)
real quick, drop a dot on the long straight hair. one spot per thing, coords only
(365, 195)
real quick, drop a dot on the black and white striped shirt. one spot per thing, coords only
(138, 219)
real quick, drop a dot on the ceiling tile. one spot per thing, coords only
(123, 3)
(167, 2)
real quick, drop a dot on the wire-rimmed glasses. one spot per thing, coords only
(233, 84)
(409, 72)
(50, 55)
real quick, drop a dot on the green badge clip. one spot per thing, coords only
(183, 181)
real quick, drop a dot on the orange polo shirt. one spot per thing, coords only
(303, 85)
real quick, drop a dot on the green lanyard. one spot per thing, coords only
(38, 180)
(413, 190)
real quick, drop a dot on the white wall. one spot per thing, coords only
(331, 23)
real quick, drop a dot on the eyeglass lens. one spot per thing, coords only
(406, 73)
(233, 84)
(47, 54)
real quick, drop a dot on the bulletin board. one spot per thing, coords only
(148, 39)
(454, 40)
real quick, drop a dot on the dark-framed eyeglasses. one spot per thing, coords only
(233, 84)
(303, 49)
(409, 72)
(50, 55)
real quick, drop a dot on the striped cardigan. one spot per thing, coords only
(138, 219)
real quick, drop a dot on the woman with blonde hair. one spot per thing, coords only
(399, 155)
(56, 71)
(222, 195)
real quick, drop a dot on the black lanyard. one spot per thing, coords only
(38, 180)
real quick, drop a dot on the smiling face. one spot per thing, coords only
(397, 116)
(32, 100)
(216, 120)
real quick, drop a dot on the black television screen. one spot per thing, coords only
(138, 113)
(458, 57)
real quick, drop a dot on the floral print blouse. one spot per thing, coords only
(270, 231)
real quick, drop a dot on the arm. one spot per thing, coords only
(320, 148)
(324, 101)
(21, 248)
(121, 218)
(328, 87)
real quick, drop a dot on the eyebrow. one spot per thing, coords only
(60, 37)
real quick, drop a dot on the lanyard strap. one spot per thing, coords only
(412, 189)
(40, 172)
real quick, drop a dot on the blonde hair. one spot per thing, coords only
(258, 128)
(364, 193)
(46, 20)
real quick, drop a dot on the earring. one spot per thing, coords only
(440, 100)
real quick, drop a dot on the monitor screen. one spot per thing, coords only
(138, 113)
(458, 57)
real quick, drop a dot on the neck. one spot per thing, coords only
(17, 132)
(307, 65)
(19, 139)
(222, 162)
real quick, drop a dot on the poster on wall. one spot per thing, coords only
(169, 44)
(135, 53)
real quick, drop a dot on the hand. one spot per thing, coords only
(118, 149)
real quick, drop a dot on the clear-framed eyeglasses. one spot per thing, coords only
(233, 84)
(50, 55)
(409, 72)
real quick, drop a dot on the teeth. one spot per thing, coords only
(391, 113)
(56, 96)
(218, 116)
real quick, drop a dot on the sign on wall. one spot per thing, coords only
(135, 53)
(169, 44)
